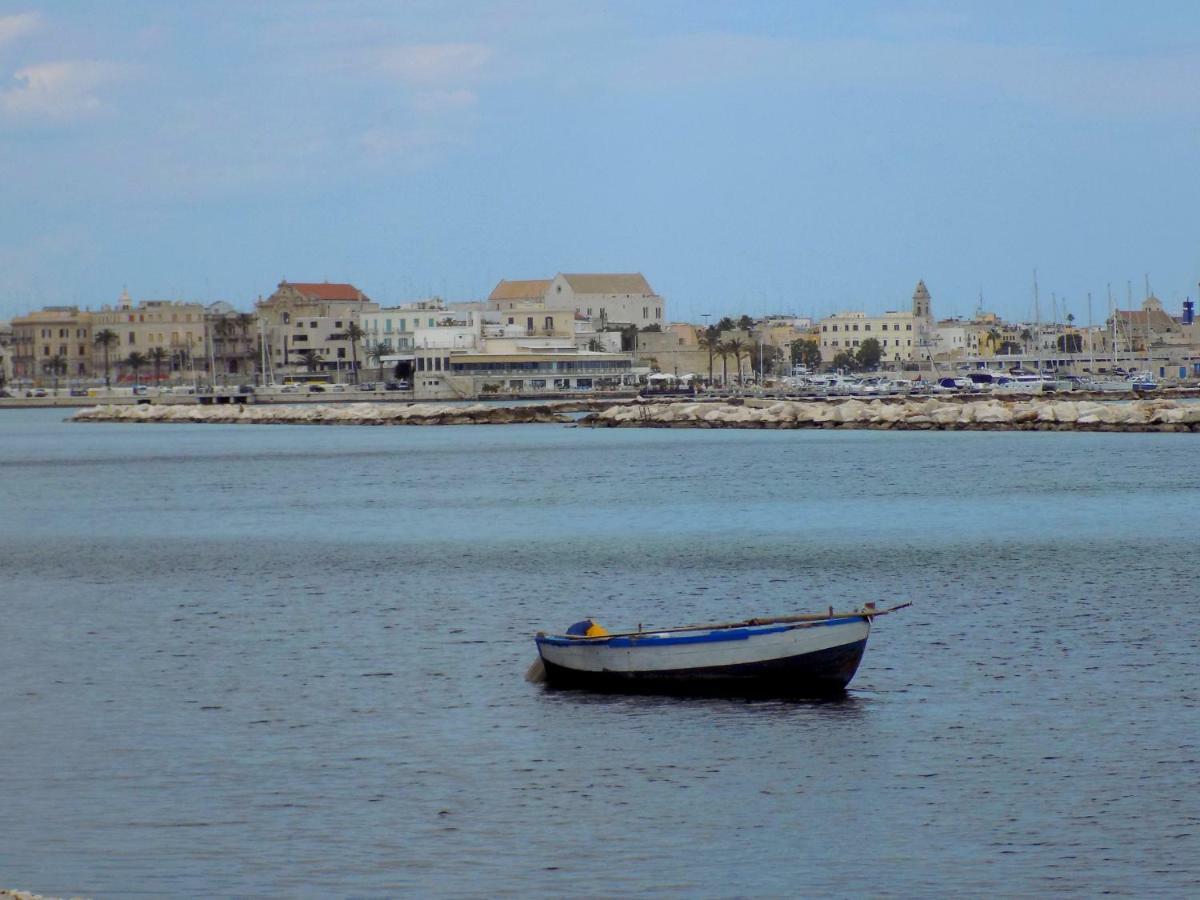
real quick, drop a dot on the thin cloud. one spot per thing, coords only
(433, 64)
(18, 25)
(60, 90)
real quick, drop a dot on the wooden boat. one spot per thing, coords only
(796, 656)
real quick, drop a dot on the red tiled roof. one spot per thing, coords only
(326, 290)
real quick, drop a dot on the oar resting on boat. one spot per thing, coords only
(800, 655)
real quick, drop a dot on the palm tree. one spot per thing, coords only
(55, 366)
(158, 356)
(106, 339)
(312, 360)
(224, 330)
(723, 351)
(354, 334)
(376, 355)
(245, 322)
(710, 339)
(735, 347)
(136, 361)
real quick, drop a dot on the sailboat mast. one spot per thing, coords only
(1037, 324)
(1149, 362)
(1112, 330)
(1091, 340)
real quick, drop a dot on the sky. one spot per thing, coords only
(749, 157)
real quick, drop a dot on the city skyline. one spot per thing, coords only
(758, 159)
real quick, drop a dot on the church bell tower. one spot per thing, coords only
(920, 306)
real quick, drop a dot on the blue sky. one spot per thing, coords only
(747, 157)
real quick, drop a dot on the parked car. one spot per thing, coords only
(338, 388)
(288, 389)
(245, 389)
(316, 388)
(140, 390)
(79, 392)
(397, 386)
(4, 393)
(367, 386)
(39, 392)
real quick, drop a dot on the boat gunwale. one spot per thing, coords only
(694, 634)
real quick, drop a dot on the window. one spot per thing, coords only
(341, 352)
(856, 326)
(404, 324)
(529, 323)
(312, 324)
(867, 327)
(824, 327)
(658, 312)
(856, 343)
(645, 312)
(437, 363)
(387, 326)
(908, 327)
(132, 337)
(549, 323)
(337, 324)
(62, 332)
(45, 351)
(835, 328)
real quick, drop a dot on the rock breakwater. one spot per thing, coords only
(931, 414)
(342, 414)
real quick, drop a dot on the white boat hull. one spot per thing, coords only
(797, 659)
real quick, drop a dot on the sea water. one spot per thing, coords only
(287, 661)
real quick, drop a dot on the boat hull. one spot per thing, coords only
(815, 659)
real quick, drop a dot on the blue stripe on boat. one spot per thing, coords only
(705, 637)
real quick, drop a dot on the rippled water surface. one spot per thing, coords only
(280, 661)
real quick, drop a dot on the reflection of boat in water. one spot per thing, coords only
(792, 656)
